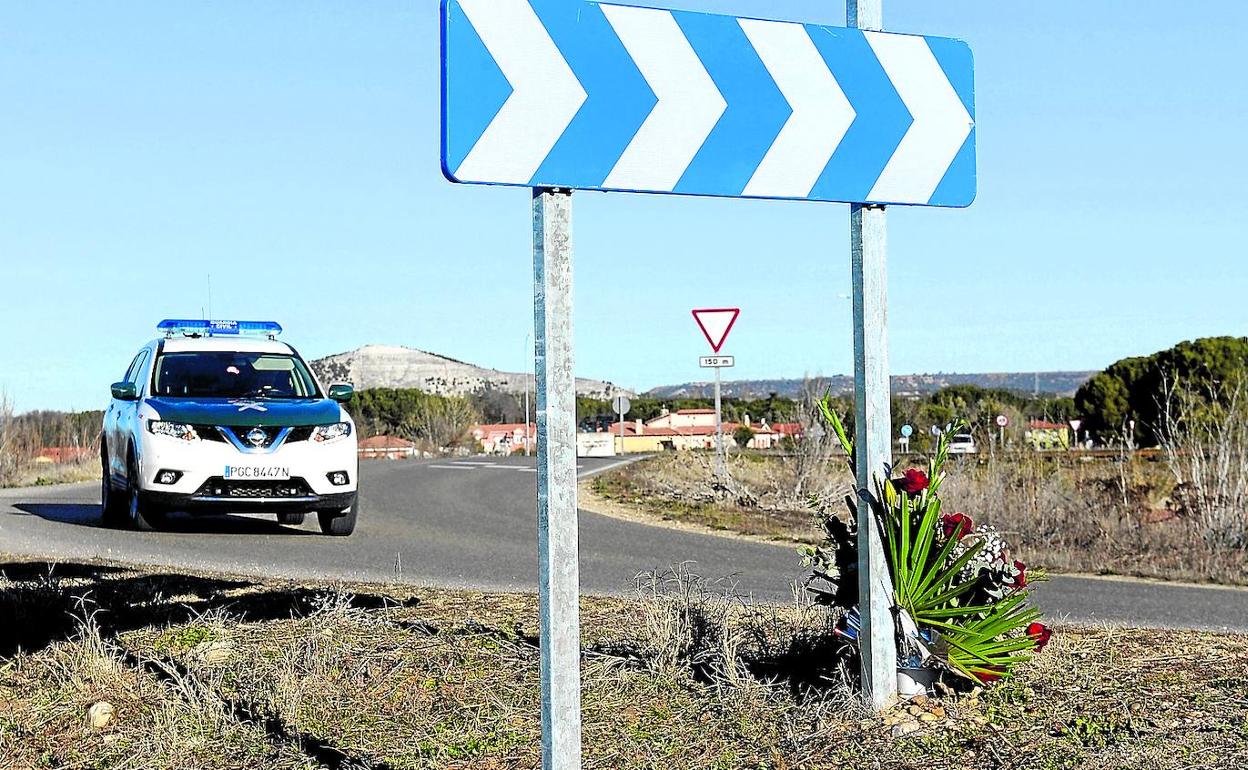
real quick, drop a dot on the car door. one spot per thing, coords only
(128, 411)
(114, 438)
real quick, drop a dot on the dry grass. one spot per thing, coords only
(44, 474)
(211, 673)
(681, 488)
(1102, 515)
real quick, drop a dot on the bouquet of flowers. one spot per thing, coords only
(960, 599)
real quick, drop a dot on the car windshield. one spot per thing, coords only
(217, 374)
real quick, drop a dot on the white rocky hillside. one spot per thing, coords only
(391, 366)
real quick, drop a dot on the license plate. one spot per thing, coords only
(257, 472)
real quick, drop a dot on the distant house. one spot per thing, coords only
(505, 438)
(386, 448)
(685, 429)
(791, 430)
(1043, 435)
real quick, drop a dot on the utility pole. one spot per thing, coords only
(721, 463)
(873, 443)
(557, 544)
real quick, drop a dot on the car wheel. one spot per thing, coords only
(339, 523)
(112, 504)
(293, 519)
(143, 515)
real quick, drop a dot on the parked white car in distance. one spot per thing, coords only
(962, 444)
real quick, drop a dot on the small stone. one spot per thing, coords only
(928, 716)
(213, 653)
(938, 711)
(905, 728)
(914, 710)
(100, 714)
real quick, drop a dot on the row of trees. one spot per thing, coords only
(442, 421)
(24, 436)
(1137, 390)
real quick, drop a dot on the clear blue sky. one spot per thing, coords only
(290, 150)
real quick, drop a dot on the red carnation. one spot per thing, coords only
(950, 523)
(912, 482)
(1040, 633)
(1020, 581)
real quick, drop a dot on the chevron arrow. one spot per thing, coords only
(689, 105)
(941, 123)
(583, 95)
(821, 113)
(545, 97)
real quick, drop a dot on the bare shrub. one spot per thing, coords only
(810, 455)
(1205, 440)
(706, 629)
(8, 441)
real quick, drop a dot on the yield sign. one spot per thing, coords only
(715, 324)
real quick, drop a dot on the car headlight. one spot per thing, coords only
(173, 429)
(323, 434)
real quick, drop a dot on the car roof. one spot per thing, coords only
(225, 344)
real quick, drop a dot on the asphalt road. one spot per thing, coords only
(472, 524)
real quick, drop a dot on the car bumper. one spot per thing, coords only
(204, 482)
(207, 504)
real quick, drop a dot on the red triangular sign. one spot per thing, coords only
(715, 324)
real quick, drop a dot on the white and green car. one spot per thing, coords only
(221, 417)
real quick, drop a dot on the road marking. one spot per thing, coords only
(475, 464)
(453, 467)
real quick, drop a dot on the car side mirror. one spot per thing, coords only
(341, 392)
(125, 391)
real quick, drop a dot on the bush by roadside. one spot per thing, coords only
(106, 667)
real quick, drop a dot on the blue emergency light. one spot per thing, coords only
(205, 328)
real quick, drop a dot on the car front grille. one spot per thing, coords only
(209, 433)
(220, 487)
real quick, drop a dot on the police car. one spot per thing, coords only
(219, 416)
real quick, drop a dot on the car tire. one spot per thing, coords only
(293, 519)
(143, 515)
(112, 504)
(339, 523)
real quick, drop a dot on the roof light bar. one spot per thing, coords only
(205, 328)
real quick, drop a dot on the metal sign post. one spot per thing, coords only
(557, 545)
(622, 405)
(716, 323)
(872, 426)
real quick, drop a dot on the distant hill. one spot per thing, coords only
(390, 366)
(1055, 383)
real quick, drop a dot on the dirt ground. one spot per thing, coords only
(104, 667)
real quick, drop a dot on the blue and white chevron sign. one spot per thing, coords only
(592, 96)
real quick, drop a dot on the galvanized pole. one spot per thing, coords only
(721, 464)
(558, 568)
(528, 439)
(873, 432)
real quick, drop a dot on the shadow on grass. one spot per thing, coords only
(46, 601)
